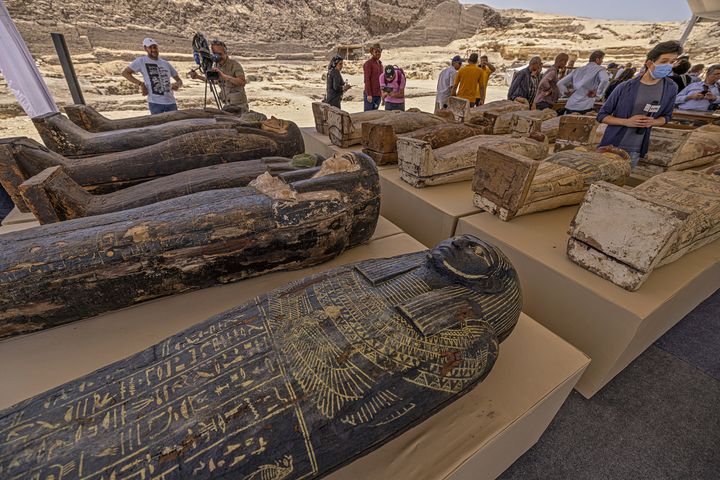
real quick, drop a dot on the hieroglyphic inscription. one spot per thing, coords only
(207, 399)
(294, 384)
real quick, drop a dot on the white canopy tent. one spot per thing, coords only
(20, 72)
(701, 10)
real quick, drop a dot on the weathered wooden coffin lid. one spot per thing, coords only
(62, 272)
(53, 196)
(676, 149)
(623, 235)
(380, 135)
(508, 184)
(345, 129)
(293, 384)
(422, 165)
(61, 135)
(21, 158)
(86, 117)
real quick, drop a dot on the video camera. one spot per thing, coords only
(205, 58)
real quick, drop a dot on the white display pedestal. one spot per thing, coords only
(428, 214)
(612, 325)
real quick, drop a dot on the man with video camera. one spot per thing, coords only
(231, 79)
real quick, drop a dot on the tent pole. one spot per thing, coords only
(688, 29)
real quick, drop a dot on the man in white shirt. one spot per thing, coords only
(701, 95)
(446, 81)
(588, 83)
(156, 73)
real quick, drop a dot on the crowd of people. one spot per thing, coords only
(630, 100)
(583, 88)
(384, 86)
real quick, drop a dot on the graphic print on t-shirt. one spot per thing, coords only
(159, 79)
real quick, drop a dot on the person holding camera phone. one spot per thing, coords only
(156, 73)
(392, 84)
(336, 86)
(702, 96)
(231, 79)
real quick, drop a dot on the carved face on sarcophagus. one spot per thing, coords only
(294, 384)
(623, 235)
(62, 272)
(508, 185)
(22, 158)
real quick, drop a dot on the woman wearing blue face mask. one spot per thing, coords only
(636, 106)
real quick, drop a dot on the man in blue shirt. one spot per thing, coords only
(700, 95)
(647, 101)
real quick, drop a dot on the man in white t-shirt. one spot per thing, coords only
(156, 74)
(445, 83)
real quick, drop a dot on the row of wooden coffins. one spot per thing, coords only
(618, 233)
(322, 371)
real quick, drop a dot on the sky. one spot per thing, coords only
(647, 10)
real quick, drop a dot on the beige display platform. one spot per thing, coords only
(16, 216)
(610, 324)
(476, 437)
(320, 144)
(428, 214)
(16, 227)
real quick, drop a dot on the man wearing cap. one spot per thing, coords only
(373, 69)
(467, 80)
(156, 74)
(392, 86)
(446, 80)
(232, 79)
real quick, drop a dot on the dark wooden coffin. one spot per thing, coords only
(53, 196)
(22, 158)
(62, 272)
(291, 385)
(379, 137)
(87, 118)
(61, 135)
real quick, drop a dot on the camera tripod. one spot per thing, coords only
(213, 90)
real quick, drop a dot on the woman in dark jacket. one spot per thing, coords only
(625, 75)
(335, 84)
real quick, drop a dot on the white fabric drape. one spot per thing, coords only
(20, 72)
(705, 9)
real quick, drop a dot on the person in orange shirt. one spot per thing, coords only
(487, 69)
(468, 80)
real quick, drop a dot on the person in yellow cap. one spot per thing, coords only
(468, 80)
